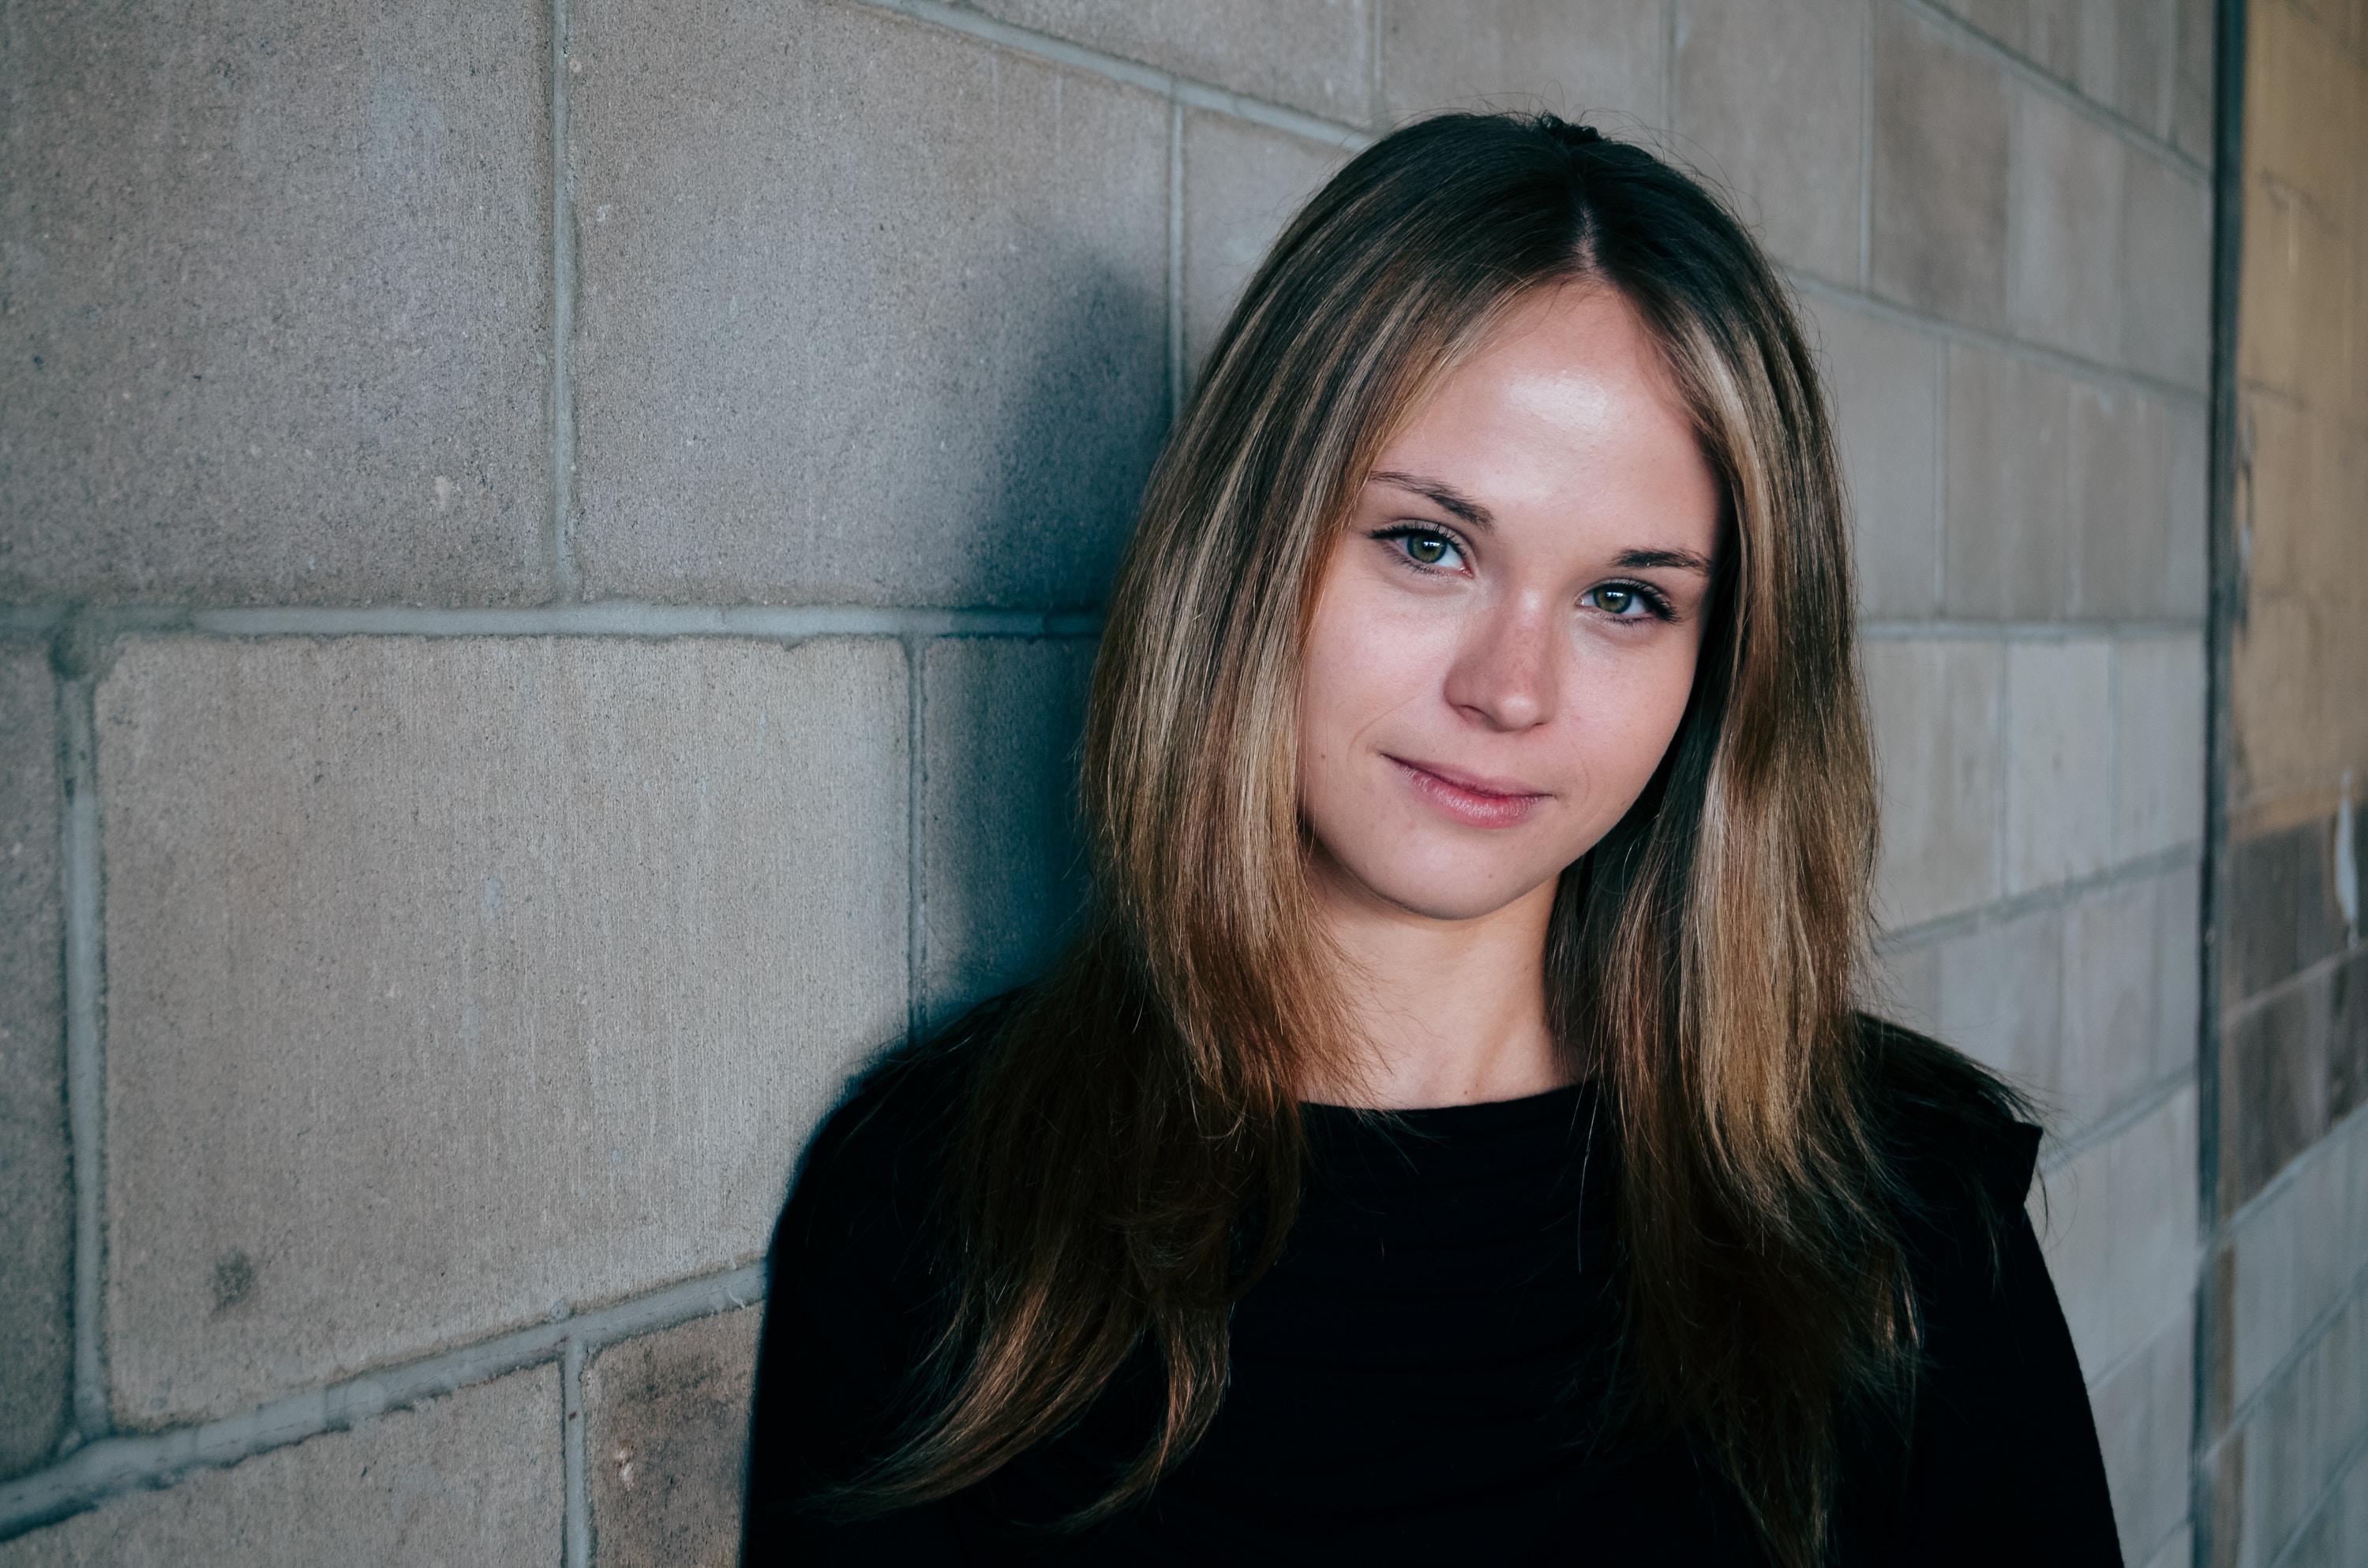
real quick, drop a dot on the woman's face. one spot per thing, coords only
(1505, 634)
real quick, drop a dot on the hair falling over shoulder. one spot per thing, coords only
(1130, 1154)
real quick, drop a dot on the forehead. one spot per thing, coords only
(1567, 402)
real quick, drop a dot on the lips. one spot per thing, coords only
(1470, 799)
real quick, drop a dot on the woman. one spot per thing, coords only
(1451, 1136)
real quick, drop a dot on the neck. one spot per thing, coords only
(1443, 1012)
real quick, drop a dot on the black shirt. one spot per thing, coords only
(1420, 1378)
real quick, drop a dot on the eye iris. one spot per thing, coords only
(1615, 600)
(1429, 552)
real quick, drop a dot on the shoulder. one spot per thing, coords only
(1956, 1135)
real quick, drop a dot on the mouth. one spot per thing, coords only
(1469, 798)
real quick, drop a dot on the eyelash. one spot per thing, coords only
(1656, 603)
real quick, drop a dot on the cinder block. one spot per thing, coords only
(1935, 707)
(872, 311)
(2177, 1551)
(2063, 265)
(2158, 743)
(2112, 1030)
(2346, 1040)
(36, 1174)
(2000, 998)
(1770, 98)
(2144, 1410)
(1003, 867)
(455, 983)
(1904, 984)
(2127, 48)
(2187, 568)
(2178, 966)
(2296, 297)
(2191, 93)
(2296, 1253)
(2275, 920)
(2307, 1427)
(2166, 287)
(1602, 63)
(2006, 518)
(1939, 225)
(2001, 20)
(2335, 1534)
(1311, 54)
(2118, 1226)
(667, 1443)
(474, 1477)
(2273, 1086)
(2306, 132)
(1242, 184)
(2059, 761)
(2121, 486)
(1884, 384)
(2052, 33)
(278, 325)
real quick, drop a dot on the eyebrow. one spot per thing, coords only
(1683, 560)
(1448, 498)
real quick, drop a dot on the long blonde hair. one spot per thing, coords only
(1130, 1150)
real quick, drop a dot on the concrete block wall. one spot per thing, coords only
(552, 554)
(2285, 1419)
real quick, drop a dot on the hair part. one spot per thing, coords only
(1130, 1151)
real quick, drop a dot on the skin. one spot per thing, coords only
(1504, 641)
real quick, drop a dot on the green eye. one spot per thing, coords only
(1615, 601)
(1428, 549)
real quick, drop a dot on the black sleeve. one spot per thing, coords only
(852, 1310)
(2003, 1463)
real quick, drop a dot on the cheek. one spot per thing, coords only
(1365, 659)
(1624, 717)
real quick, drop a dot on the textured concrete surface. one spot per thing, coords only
(2157, 751)
(2119, 1225)
(1242, 184)
(2122, 475)
(2305, 1439)
(2064, 257)
(1602, 61)
(2129, 992)
(2059, 761)
(36, 1180)
(2089, 1006)
(277, 325)
(2167, 272)
(1937, 228)
(1770, 100)
(870, 313)
(2297, 1253)
(471, 1478)
(2143, 1409)
(1002, 863)
(1935, 706)
(453, 981)
(667, 1445)
(2008, 497)
(1996, 992)
(1883, 383)
(1314, 55)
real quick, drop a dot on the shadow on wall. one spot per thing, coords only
(1003, 866)
(1070, 433)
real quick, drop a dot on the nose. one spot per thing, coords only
(1504, 675)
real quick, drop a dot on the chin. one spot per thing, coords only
(1456, 890)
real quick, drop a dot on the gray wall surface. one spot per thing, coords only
(551, 552)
